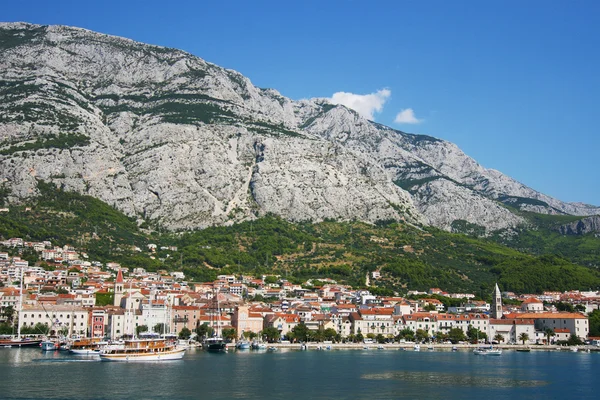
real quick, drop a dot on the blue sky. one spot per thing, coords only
(515, 84)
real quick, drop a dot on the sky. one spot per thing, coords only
(515, 84)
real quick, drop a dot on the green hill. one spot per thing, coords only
(408, 257)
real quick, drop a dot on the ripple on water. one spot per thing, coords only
(446, 379)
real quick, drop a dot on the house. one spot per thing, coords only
(532, 304)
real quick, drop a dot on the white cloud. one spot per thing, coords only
(364, 104)
(407, 116)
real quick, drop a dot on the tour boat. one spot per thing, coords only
(142, 350)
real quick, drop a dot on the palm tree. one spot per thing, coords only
(549, 332)
(523, 337)
(499, 338)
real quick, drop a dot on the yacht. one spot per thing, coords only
(143, 350)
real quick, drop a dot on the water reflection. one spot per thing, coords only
(447, 379)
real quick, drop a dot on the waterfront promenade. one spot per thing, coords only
(427, 347)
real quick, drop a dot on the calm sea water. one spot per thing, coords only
(337, 374)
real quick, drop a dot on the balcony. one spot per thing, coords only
(180, 320)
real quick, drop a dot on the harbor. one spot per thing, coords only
(344, 373)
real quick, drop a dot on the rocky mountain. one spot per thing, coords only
(167, 137)
(581, 227)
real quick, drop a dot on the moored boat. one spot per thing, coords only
(487, 351)
(142, 350)
(243, 346)
(19, 342)
(87, 346)
(215, 344)
(49, 345)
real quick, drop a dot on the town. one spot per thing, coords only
(73, 297)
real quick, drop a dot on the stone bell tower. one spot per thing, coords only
(496, 304)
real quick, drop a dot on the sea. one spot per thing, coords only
(314, 374)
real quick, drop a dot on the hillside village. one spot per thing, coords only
(76, 297)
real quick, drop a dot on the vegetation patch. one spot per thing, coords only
(60, 141)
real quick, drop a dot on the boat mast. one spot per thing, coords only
(20, 303)
(129, 307)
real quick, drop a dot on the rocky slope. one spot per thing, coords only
(165, 136)
(581, 227)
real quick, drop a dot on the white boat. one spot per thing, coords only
(143, 350)
(487, 351)
(417, 347)
(259, 346)
(49, 345)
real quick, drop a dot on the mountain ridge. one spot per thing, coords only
(168, 137)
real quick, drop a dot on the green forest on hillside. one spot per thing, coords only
(408, 257)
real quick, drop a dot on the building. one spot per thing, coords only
(243, 320)
(576, 323)
(67, 319)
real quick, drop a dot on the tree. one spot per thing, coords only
(524, 337)
(301, 332)
(475, 334)
(141, 328)
(185, 333)
(329, 334)
(421, 335)
(574, 340)
(499, 338)
(456, 335)
(549, 333)
(159, 328)
(203, 330)
(271, 334)
(249, 335)
(429, 307)
(380, 338)
(8, 314)
(407, 334)
(229, 334)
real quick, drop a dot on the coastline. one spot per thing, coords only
(426, 347)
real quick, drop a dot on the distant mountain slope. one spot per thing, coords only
(167, 137)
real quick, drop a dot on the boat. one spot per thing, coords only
(10, 341)
(259, 346)
(243, 346)
(216, 343)
(49, 345)
(454, 348)
(526, 350)
(272, 348)
(87, 346)
(417, 347)
(487, 351)
(142, 350)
